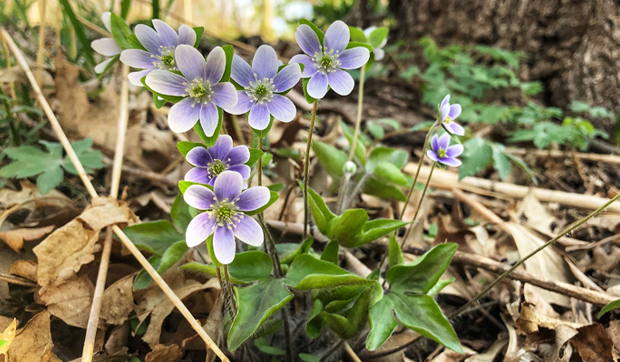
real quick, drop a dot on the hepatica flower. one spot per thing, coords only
(324, 63)
(160, 45)
(225, 216)
(448, 114)
(106, 46)
(261, 84)
(442, 152)
(378, 50)
(199, 84)
(211, 162)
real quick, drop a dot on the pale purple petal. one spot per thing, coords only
(317, 86)
(238, 155)
(446, 100)
(148, 38)
(200, 175)
(187, 35)
(209, 118)
(307, 40)
(168, 83)
(287, 78)
(199, 156)
(199, 229)
(253, 198)
(183, 116)
(450, 162)
(168, 36)
(455, 111)
(241, 71)
(454, 128)
(228, 186)
(337, 36)
(222, 147)
(444, 111)
(259, 117)
(282, 108)
(135, 77)
(106, 47)
(107, 20)
(310, 68)
(454, 151)
(216, 65)
(444, 141)
(379, 54)
(265, 62)
(341, 82)
(249, 231)
(99, 68)
(354, 58)
(244, 103)
(430, 154)
(190, 62)
(435, 143)
(243, 170)
(199, 197)
(224, 244)
(137, 58)
(225, 95)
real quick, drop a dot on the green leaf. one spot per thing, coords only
(255, 155)
(49, 179)
(230, 52)
(376, 130)
(354, 44)
(171, 99)
(199, 31)
(331, 158)
(579, 107)
(125, 6)
(476, 157)
(378, 36)
(154, 236)
(357, 34)
(186, 146)
(391, 173)
(256, 303)
(247, 267)
(120, 31)
(500, 163)
(143, 279)
(613, 305)
(135, 44)
(263, 346)
(320, 212)
(314, 28)
(309, 357)
(360, 148)
(3, 343)
(395, 255)
(179, 213)
(380, 155)
(375, 229)
(330, 253)
(439, 286)
(79, 32)
(273, 198)
(420, 276)
(377, 187)
(288, 256)
(304, 83)
(350, 322)
(346, 227)
(307, 270)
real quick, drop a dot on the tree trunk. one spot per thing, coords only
(573, 46)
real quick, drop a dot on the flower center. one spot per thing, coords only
(199, 90)
(441, 153)
(261, 91)
(216, 167)
(166, 58)
(327, 62)
(447, 120)
(226, 214)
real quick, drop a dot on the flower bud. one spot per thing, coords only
(349, 168)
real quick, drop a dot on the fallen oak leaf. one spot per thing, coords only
(162, 353)
(70, 301)
(118, 301)
(25, 269)
(15, 238)
(593, 344)
(33, 343)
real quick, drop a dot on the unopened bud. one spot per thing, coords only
(349, 168)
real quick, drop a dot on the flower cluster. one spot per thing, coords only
(441, 151)
(209, 163)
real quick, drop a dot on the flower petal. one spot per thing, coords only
(216, 65)
(282, 108)
(310, 68)
(337, 36)
(168, 83)
(224, 245)
(432, 155)
(249, 231)
(450, 161)
(136, 77)
(341, 82)
(106, 17)
(353, 58)
(209, 118)
(259, 117)
(106, 47)
(455, 111)
(228, 186)
(238, 155)
(435, 143)
(99, 68)
(287, 78)
(167, 35)
(137, 58)
(444, 111)
(148, 38)
(307, 40)
(244, 103)
(190, 62)
(265, 62)
(241, 71)
(187, 35)
(317, 86)
(225, 95)
(253, 198)
(444, 141)
(454, 151)
(379, 54)
(199, 156)
(199, 197)
(199, 229)
(243, 170)
(455, 128)
(222, 147)
(200, 175)
(446, 100)
(183, 116)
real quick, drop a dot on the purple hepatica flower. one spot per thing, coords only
(442, 152)
(225, 216)
(324, 64)
(106, 46)
(378, 51)
(160, 45)
(448, 115)
(211, 162)
(262, 82)
(199, 84)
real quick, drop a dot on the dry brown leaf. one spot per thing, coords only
(161, 353)
(25, 268)
(118, 301)
(535, 216)
(491, 353)
(15, 238)
(118, 338)
(7, 336)
(33, 343)
(70, 301)
(593, 344)
(614, 332)
(530, 322)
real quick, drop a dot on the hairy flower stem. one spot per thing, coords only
(227, 296)
(306, 169)
(417, 210)
(342, 190)
(358, 120)
(230, 290)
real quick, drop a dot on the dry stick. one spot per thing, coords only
(348, 348)
(94, 27)
(93, 193)
(42, 15)
(7, 55)
(306, 169)
(95, 310)
(595, 157)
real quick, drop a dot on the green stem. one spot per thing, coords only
(417, 210)
(306, 169)
(358, 120)
(229, 288)
(227, 296)
(237, 128)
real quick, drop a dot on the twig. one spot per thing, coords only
(93, 193)
(41, 48)
(14, 279)
(331, 351)
(350, 350)
(94, 27)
